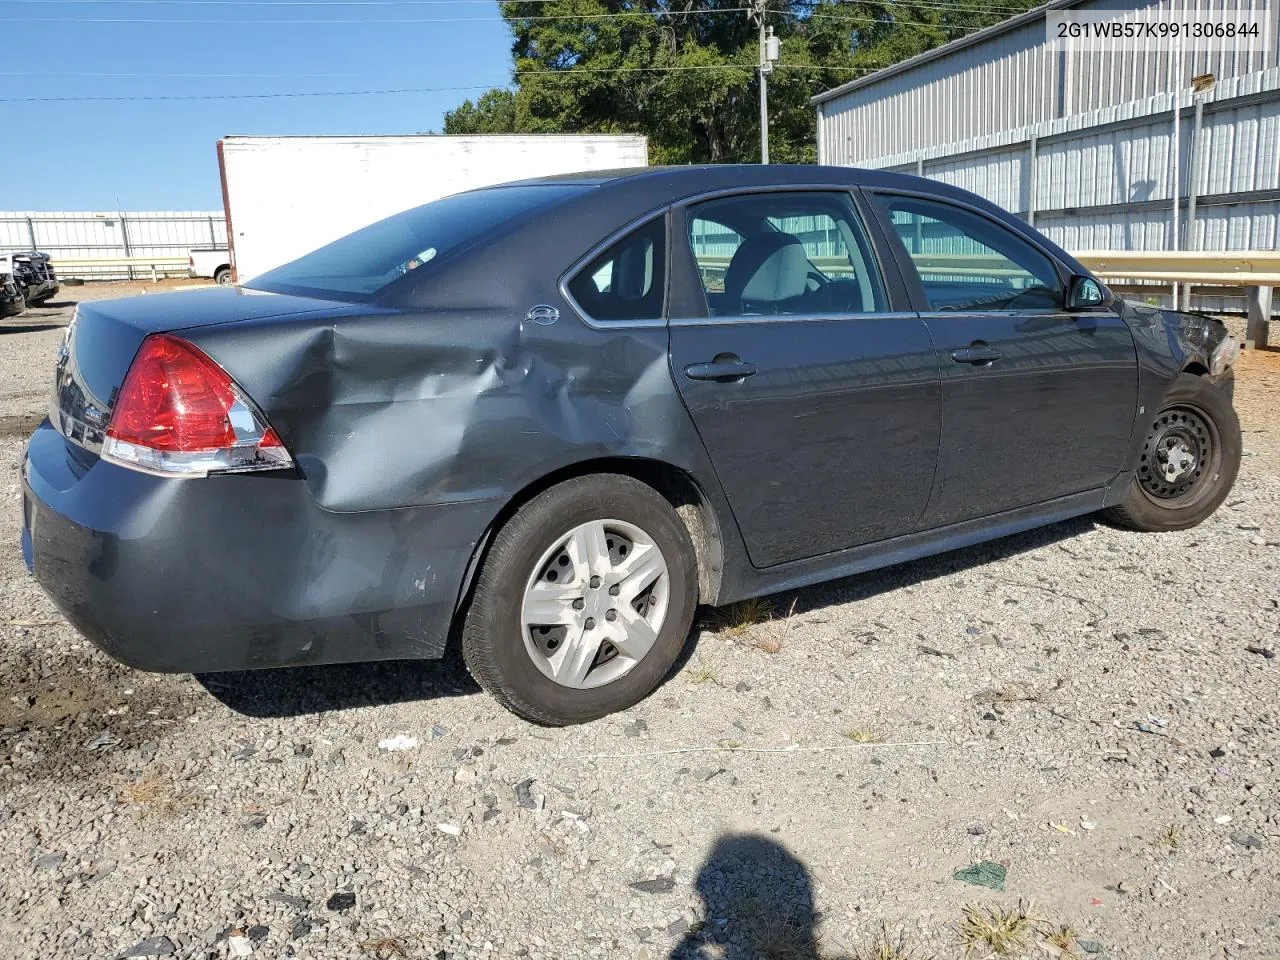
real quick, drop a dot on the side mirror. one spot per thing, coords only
(1086, 293)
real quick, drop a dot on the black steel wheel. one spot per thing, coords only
(1189, 459)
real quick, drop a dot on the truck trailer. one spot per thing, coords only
(286, 196)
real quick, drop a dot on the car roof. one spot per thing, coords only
(696, 178)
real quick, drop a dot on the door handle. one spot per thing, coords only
(978, 353)
(723, 369)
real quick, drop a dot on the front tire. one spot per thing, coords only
(1189, 460)
(584, 601)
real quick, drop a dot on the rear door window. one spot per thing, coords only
(627, 282)
(779, 254)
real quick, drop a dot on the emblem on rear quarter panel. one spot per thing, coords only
(543, 314)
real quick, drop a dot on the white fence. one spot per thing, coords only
(95, 236)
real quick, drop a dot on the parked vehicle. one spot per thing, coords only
(211, 262)
(32, 274)
(286, 196)
(557, 415)
(11, 300)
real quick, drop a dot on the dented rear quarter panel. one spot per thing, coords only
(446, 393)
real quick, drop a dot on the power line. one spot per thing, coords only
(746, 68)
(185, 76)
(915, 4)
(365, 20)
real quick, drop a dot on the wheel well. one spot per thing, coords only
(675, 485)
(1196, 369)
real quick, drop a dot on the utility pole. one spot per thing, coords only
(769, 50)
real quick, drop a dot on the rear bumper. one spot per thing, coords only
(237, 572)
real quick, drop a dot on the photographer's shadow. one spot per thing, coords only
(758, 902)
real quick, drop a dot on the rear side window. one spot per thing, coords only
(775, 254)
(362, 264)
(627, 281)
(967, 262)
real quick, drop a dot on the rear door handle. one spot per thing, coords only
(977, 354)
(721, 370)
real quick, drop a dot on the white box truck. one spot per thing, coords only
(286, 196)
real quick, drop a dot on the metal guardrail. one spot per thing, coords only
(1257, 271)
(65, 265)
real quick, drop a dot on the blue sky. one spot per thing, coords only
(160, 154)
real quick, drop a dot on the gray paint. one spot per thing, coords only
(418, 423)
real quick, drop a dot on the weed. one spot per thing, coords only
(157, 794)
(862, 735)
(773, 935)
(1063, 939)
(774, 633)
(1169, 837)
(884, 947)
(994, 931)
(702, 672)
(736, 618)
(384, 948)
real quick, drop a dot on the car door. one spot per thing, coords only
(1038, 402)
(818, 403)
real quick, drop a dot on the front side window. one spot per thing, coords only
(967, 262)
(778, 254)
(628, 281)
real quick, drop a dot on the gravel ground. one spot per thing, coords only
(1095, 711)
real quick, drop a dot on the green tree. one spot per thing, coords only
(682, 72)
(494, 112)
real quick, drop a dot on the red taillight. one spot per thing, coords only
(178, 413)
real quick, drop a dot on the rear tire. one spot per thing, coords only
(223, 277)
(1189, 460)
(542, 555)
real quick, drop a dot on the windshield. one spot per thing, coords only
(362, 264)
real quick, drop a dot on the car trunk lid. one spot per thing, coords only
(103, 338)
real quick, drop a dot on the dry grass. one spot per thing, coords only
(1169, 837)
(862, 735)
(772, 935)
(883, 946)
(994, 931)
(385, 948)
(703, 671)
(157, 794)
(1062, 939)
(737, 618)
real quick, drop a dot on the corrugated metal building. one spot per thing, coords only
(1082, 143)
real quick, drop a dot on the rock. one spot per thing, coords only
(50, 861)
(257, 933)
(151, 947)
(743, 687)
(343, 900)
(1218, 753)
(677, 927)
(450, 829)
(238, 945)
(526, 798)
(637, 729)
(300, 928)
(1265, 652)
(289, 900)
(976, 829)
(656, 885)
(1247, 840)
(464, 775)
